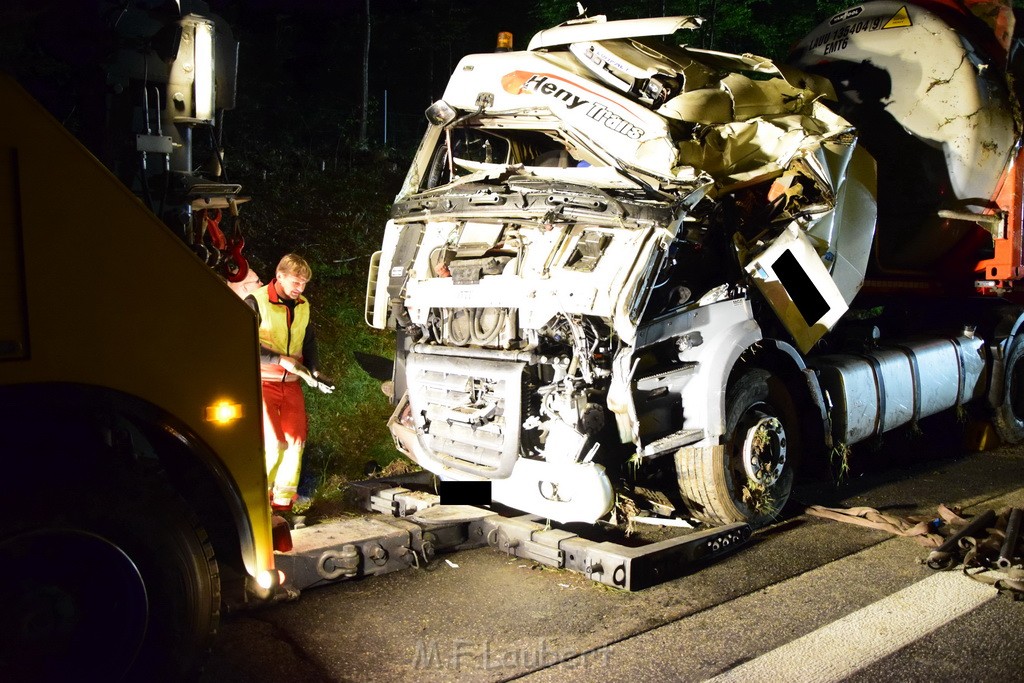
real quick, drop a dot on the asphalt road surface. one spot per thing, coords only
(807, 599)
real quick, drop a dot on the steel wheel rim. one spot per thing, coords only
(763, 452)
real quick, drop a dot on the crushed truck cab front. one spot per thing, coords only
(576, 264)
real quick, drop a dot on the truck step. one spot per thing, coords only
(673, 442)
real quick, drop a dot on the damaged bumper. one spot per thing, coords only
(563, 492)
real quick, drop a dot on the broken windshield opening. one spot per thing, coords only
(465, 150)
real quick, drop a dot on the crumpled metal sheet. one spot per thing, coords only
(742, 151)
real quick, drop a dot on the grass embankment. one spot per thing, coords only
(333, 214)
(347, 429)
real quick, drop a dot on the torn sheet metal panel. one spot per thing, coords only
(743, 151)
(849, 228)
(799, 288)
(763, 122)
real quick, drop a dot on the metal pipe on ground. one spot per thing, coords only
(945, 556)
(1008, 550)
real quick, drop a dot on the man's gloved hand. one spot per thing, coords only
(313, 379)
(296, 368)
(322, 383)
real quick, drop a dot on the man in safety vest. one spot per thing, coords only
(287, 353)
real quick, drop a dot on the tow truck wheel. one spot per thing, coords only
(1008, 417)
(115, 580)
(749, 478)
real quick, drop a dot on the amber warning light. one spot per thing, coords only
(504, 42)
(223, 412)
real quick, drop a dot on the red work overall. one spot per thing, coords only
(282, 330)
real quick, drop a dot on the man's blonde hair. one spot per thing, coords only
(293, 264)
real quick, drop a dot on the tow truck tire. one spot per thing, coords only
(116, 581)
(1008, 417)
(748, 478)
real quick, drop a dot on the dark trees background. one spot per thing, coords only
(301, 64)
(301, 61)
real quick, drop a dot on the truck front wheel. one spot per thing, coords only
(749, 477)
(111, 578)
(1008, 417)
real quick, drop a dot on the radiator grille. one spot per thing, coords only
(468, 411)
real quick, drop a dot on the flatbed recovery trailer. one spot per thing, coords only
(406, 526)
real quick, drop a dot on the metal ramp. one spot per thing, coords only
(408, 528)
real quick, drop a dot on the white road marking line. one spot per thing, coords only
(836, 651)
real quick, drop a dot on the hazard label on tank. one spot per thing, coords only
(851, 24)
(899, 20)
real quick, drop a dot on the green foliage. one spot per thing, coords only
(348, 428)
(839, 456)
(331, 207)
(759, 498)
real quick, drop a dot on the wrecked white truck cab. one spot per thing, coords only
(609, 268)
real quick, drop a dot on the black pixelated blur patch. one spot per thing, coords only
(465, 493)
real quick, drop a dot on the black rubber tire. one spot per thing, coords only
(712, 480)
(1008, 417)
(115, 580)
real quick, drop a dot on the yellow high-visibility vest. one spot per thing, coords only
(282, 330)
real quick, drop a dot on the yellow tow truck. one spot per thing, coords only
(134, 490)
